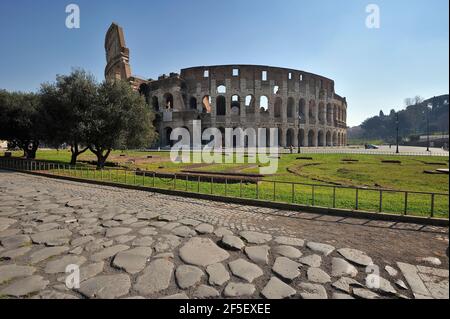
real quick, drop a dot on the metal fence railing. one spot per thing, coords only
(429, 204)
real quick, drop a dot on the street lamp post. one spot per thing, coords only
(428, 126)
(397, 122)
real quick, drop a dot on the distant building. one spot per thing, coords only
(302, 106)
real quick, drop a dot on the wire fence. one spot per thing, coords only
(428, 204)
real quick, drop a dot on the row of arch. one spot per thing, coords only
(288, 138)
(321, 112)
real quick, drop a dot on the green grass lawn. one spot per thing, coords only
(325, 170)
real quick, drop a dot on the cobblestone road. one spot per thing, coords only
(134, 244)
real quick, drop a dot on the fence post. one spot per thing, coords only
(257, 189)
(432, 205)
(226, 186)
(381, 201)
(357, 199)
(187, 182)
(198, 184)
(293, 193)
(406, 203)
(135, 181)
(143, 178)
(126, 173)
(313, 190)
(274, 191)
(334, 197)
(240, 188)
(212, 185)
(174, 181)
(154, 179)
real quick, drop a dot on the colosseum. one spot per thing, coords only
(301, 105)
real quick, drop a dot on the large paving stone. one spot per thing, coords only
(232, 242)
(277, 289)
(253, 237)
(46, 253)
(184, 232)
(288, 251)
(166, 243)
(234, 289)
(218, 274)
(53, 237)
(8, 272)
(377, 283)
(356, 256)
(340, 268)
(312, 291)
(286, 268)
(117, 231)
(14, 253)
(60, 265)
(80, 241)
(133, 260)
(317, 275)
(410, 272)
(324, 249)
(147, 215)
(145, 241)
(156, 277)
(148, 231)
(188, 276)
(25, 286)
(311, 261)
(222, 231)
(245, 270)
(346, 284)
(204, 229)
(108, 252)
(202, 252)
(204, 291)
(363, 293)
(106, 287)
(289, 241)
(15, 241)
(258, 254)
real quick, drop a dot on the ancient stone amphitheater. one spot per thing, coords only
(301, 105)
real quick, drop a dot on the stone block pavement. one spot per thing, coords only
(135, 244)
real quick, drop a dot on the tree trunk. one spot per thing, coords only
(101, 158)
(31, 151)
(75, 153)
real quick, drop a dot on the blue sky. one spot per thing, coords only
(374, 68)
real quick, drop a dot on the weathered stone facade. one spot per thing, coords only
(302, 106)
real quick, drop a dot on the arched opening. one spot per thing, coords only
(264, 104)
(328, 138)
(249, 104)
(290, 108)
(276, 89)
(329, 111)
(335, 139)
(168, 131)
(321, 138)
(301, 137)
(168, 101)
(206, 104)
(302, 111)
(312, 112)
(235, 105)
(221, 89)
(311, 138)
(321, 113)
(277, 107)
(155, 103)
(193, 103)
(290, 137)
(221, 105)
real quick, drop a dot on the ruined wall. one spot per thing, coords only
(303, 106)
